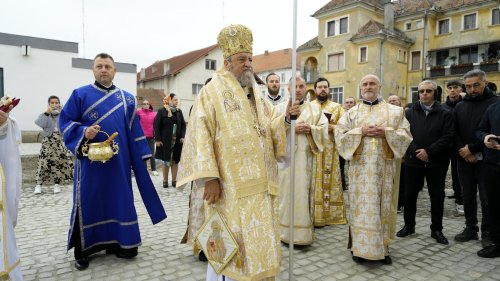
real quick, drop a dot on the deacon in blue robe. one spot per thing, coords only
(103, 215)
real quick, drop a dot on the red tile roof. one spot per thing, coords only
(173, 65)
(274, 60)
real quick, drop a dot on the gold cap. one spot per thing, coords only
(234, 39)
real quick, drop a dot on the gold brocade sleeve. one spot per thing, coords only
(399, 138)
(198, 159)
(347, 137)
(278, 133)
(319, 130)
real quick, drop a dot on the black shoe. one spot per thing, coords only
(490, 252)
(486, 241)
(202, 257)
(387, 260)
(174, 183)
(126, 254)
(466, 235)
(165, 184)
(82, 264)
(358, 260)
(405, 231)
(438, 235)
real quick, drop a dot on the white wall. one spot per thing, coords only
(43, 73)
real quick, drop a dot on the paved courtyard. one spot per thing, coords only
(44, 219)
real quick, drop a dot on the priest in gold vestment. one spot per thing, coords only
(328, 193)
(372, 135)
(231, 146)
(310, 136)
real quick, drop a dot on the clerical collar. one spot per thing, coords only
(110, 88)
(371, 102)
(278, 97)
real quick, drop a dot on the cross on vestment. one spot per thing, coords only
(374, 144)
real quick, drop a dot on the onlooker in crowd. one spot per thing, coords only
(371, 136)
(454, 87)
(467, 115)
(394, 100)
(147, 117)
(170, 128)
(10, 186)
(329, 196)
(232, 140)
(427, 157)
(273, 89)
(349, 103)
(104, 215)
(489, 132)
(311, 133)
(400, 167)
(55, 165)
(493, 87)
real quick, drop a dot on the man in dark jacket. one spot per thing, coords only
(427, 157)
(467, 116)
(454, 88)
(489, 133)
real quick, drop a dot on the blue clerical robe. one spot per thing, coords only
(102, 195)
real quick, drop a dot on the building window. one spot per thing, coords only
(363, 54)
(441, 57)
(419, 24)
(402, 56)
(283, 76)
(444, 26)
(415, 60)
(468, 54)
(1, 83)
(210, 64)
(337, 94)
(495, 16)
(414, 94)
(337, 26)
(470, 21)
(197, 88)
(336, 62)
(408, 26)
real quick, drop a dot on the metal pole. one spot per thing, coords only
(292, 143)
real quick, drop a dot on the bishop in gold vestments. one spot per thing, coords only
(310, 136)
(372, 135)
(329, 195)
(234, 138)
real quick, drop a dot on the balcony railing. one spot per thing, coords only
(460, 70)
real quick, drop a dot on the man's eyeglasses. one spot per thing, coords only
(428, 91)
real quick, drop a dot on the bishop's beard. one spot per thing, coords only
(246, 79)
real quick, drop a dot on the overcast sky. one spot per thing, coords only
(142, 32)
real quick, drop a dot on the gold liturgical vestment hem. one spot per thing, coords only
(371, 174)
(329, 197)
(236, 139)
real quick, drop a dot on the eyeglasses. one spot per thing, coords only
(145, 103)
(428, 91)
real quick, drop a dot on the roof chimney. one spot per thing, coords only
(389, 15)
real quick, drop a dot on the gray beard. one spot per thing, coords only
(246, 79)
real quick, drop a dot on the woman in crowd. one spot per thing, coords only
(55, 165)
(146, 117)
(169, 128)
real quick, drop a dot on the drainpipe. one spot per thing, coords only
(381, 59)
(425, 46)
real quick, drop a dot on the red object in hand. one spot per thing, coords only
(14, 102)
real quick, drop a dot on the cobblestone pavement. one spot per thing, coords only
(44, 219)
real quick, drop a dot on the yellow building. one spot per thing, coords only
(403, 42)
